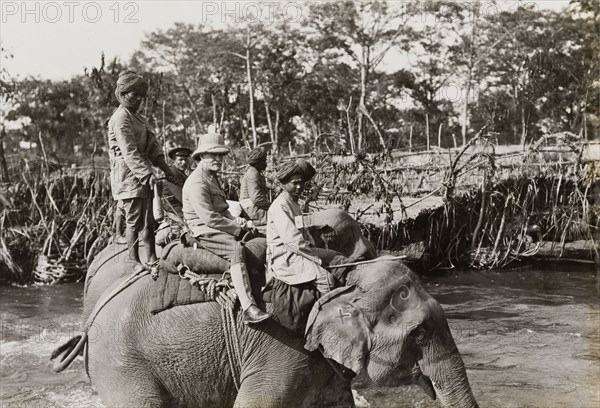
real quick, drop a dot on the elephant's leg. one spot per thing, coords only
(336, 393)
(134, 389)
(302, 383)
(254, 395)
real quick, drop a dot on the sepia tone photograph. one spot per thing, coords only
(288, 203)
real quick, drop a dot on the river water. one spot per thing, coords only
(529, 337)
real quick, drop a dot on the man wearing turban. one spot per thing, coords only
(133, 150)
(290, 257)
(254, 193)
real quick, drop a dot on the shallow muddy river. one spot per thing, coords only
(529, 337)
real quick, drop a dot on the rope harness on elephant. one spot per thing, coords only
(63, 363)
(221, 292)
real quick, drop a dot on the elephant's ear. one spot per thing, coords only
(339, 329)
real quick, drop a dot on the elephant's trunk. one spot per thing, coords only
(444, 366)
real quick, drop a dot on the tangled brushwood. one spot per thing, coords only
(51, 225)
(538, 195)
(495, 205)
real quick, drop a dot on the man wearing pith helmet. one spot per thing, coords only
(205, 210)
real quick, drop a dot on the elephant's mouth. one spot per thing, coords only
(399, 376)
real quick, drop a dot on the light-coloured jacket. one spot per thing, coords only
(289, 256)
(205, 208)
(254, 195)
(133, 149)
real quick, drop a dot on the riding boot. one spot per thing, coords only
(241, 284)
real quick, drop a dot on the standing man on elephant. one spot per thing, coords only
(254, 194)
(133, 150)
(290, 257)
(205, 211)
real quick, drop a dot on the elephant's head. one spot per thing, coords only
(384, 323)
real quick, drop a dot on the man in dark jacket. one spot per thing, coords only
(171, 191)
(254, 194)
(172, 200)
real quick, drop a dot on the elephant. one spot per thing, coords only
(378, 327)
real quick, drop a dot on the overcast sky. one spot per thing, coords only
(57, 39)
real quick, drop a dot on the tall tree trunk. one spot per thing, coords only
(470, 66)
(350, 133)
(214, 111)
(188, 97)
(3, 166)
(515, 113)
(250, 91)
(275, 147)
(242, 129)
(381, 139)
(269, 122)
(427, 129)
(164, 135)
(523, 126)
(364, 70)
(43, 150)
(465, 108)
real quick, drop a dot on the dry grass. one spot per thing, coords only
(480, 206)
(52, 224)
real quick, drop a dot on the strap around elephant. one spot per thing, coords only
(226, 297)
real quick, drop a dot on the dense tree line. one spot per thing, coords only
(323, 83)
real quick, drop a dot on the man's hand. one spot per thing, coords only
(249, 226)
(175, 178)
(240, 221)
(149, 180)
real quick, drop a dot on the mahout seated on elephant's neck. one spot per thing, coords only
(291, 304)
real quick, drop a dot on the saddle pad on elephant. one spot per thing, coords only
(171, 290)
(203, 261)
(199, 260)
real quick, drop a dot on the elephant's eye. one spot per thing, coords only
(392, 319)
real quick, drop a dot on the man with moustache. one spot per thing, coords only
(133, 150)
(205, 211)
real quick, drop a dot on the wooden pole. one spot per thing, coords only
(3, 166)
(385, 258)
(427, 129)
(43, 150)
(410, 139)
(164, 135)
(440, 136)
(454, 140)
